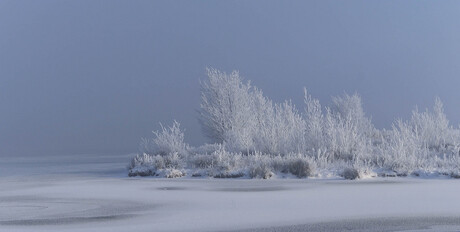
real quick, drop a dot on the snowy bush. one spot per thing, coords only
(170, 140)
(261, 170)
(145, 165)
(300, 168)
(350, 173)
(174, 173)
(150, 165)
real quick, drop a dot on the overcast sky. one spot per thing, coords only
(96, 76)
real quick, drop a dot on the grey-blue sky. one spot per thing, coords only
(95, 76)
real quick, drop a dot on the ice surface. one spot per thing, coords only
(71, 194)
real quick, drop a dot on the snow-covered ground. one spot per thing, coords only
(92, 193)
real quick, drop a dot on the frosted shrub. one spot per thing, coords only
(174, 173)
(149, 165)
(261, 170)
(298, 165)
(203, 161)
(163, 155)
(170, 140)
(350, 173)
(141, 160)
(224, 161)
(300, 168)
(145, 165)
(173, 160)
(220, 163)
(265, 165)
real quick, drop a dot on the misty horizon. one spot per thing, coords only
(90, 77)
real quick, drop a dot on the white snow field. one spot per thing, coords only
(93, 193)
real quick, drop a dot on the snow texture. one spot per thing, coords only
(71, 193)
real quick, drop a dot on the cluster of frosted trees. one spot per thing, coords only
(253, 136)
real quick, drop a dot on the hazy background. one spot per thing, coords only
(96, 76)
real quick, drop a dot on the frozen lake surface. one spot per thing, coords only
(92, 193)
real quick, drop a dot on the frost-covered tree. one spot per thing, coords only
(314, 123)
(347, 130)
(401, 148)
(421, 141)
(264, 133)
(350, 109)
(289, 129)
(238, 115)
(432, 128)
(225, 110)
